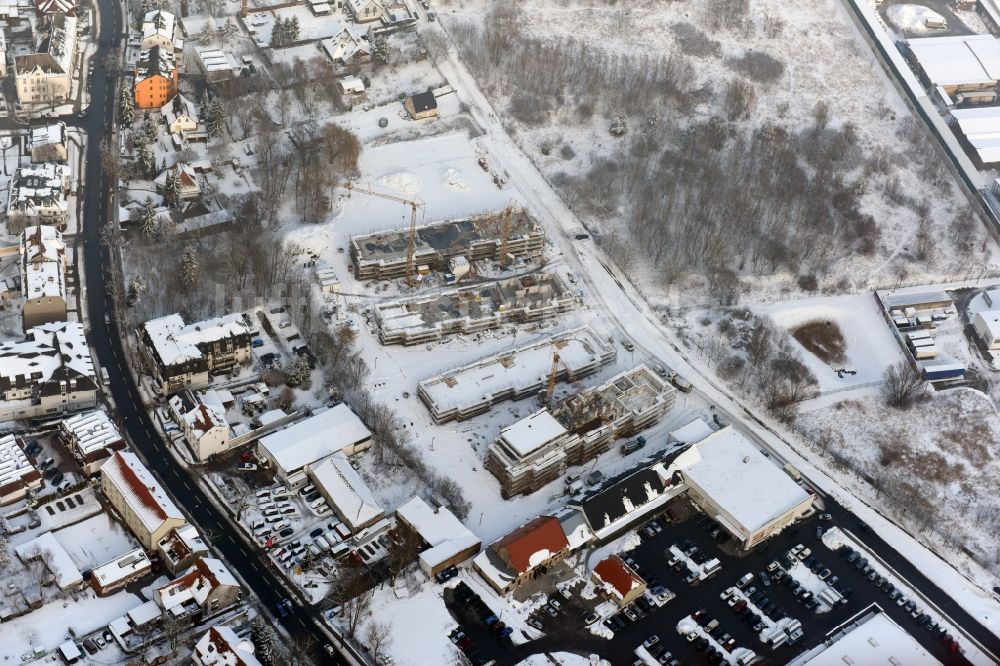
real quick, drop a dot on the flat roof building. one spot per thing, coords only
(92, 438)
(330, 430)
(421, 319)
(871, 637)
(960, 63)
(511, 375)
(382, 255)
(59, 563)
(119, 572)
(446, 540)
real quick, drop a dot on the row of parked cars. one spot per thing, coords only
(658, 651)
(655, 596)
(466, 596)
(886, 586)
(717, 645)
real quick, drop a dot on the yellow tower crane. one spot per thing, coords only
(412, 238)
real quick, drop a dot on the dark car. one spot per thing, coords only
(49, 473)
(446, 574)
(283, 607)
(57, 479)
(287, 532)
(316, 532)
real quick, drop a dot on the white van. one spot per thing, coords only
(340, 550)
(322, 543)
(280, 493)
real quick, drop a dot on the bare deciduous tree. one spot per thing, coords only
(902, 385)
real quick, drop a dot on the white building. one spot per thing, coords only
(987, 325)
(159, 29)
(447, 540)
(49, 144)
(112, 576)
(345, 491)
(347, 48)
(43, 276)
(871, 637)
(203, 422)
(215, 64)
(220, 646)
(92, 438)
(332, 430)
(46, 76)
(59, 563)
(180, 114)
(958, 64)
(139, 498)
(365, 11)
(37, 195)
(17, 474)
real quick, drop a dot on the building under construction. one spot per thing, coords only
(511, 375)
(383, 256)
(536, 450)
(412, 321)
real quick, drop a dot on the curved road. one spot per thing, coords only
(107, 345)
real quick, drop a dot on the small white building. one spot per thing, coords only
(987, 325)
(58, 562)
(350, 85)
(345, 492)
(333, 430)
(448, 541)
(180, 114)
(203, 422)
(48, 143)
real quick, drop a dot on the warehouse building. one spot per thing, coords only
(870, 637)
(345, 492)
(446, 541)
(960, 64)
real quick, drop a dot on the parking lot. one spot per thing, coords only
(793, 590)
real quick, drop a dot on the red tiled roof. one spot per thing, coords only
(138, 488)
(617, 574)
(541, 534)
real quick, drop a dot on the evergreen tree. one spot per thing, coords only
(216, 117)
(292, 34)
(172, 188)
(278, 34)
(203, 105)
(126, 106)
(149, 129)
(190, 267)
(147, 217)
(136, 288)
(144, 157)
(380, 48)
(298, 371)
(618, 126)
(262, 637)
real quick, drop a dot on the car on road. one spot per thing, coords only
(627, 344)
(283, 607)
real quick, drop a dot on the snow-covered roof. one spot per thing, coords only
(220, 646)
(144, 614)
(56, 351)
(991, 320)
(347, 491)
(174, 342)
(873, 639)
(214, 60)
(958, 60)
(120, 568)
(91, 431)
(439, 528)
(56, 559)
(741, 480)
(70, 651)
(695, 431)
(574, 526)
(158, 23)
(144, 495)
(14, 465)
(43, 262)
(316, 437)
(41, 185)
(532, 432)
(345, 45)
(270, 416)
(205, 414)
(180, 107)
(156, 61)
(981, 126)
(205, 575)
(47, 135)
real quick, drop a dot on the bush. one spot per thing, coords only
(808, 283)
(693, 42)
(532, 111)
(758, 66)
(567, 152)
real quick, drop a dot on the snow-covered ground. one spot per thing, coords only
(913, 19)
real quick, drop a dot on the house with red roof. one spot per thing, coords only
(527, 551)
(139, 499)
(618, 580)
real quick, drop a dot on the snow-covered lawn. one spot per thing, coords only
(48, 626)
(420, 624)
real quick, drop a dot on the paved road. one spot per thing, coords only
(104, 339)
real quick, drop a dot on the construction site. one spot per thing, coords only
(536, 450)
(412, 321)
(512, 375)
(506, 236)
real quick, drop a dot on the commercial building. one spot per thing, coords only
(345, 492)
(180, 548)
(445, 540)
(92, 438)
(37, 195)
(43, 276)
(382, 256)
(207, 588)
(140, 500)
(329, 430)
(511, 375)
(960, 64)
(520, 300)
(981, 128)
(46, 76)
(17, 474)
(215, 64)
(202, 419)
(987, 326)
(619, 581)
(155, 78)
(49, 372)
(509, 561)
(119, 572)
(49, 143)
(537, 449)
(870, 637)
(184, 356)
(741, 488)
(220, 646)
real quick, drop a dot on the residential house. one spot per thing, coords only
(62, 570)
(203, 423)
(220, 646)
(139, 498)
(508, 562)
(180, 114)
(188, 187)
(328, 430)
(180, 548)
(155, 78)
(92, 438)
(49, 144)
(619, 581)
(422, 105)
(17, 474)
(347, 48)
(159, 29)
(37, 195)
(365, 11)
(46, 76)
(112, 576)
(43, 276)
(49, 372)
(50, 7)
(207, 588)
(345, 492)
(445, 541)
(184, 356)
